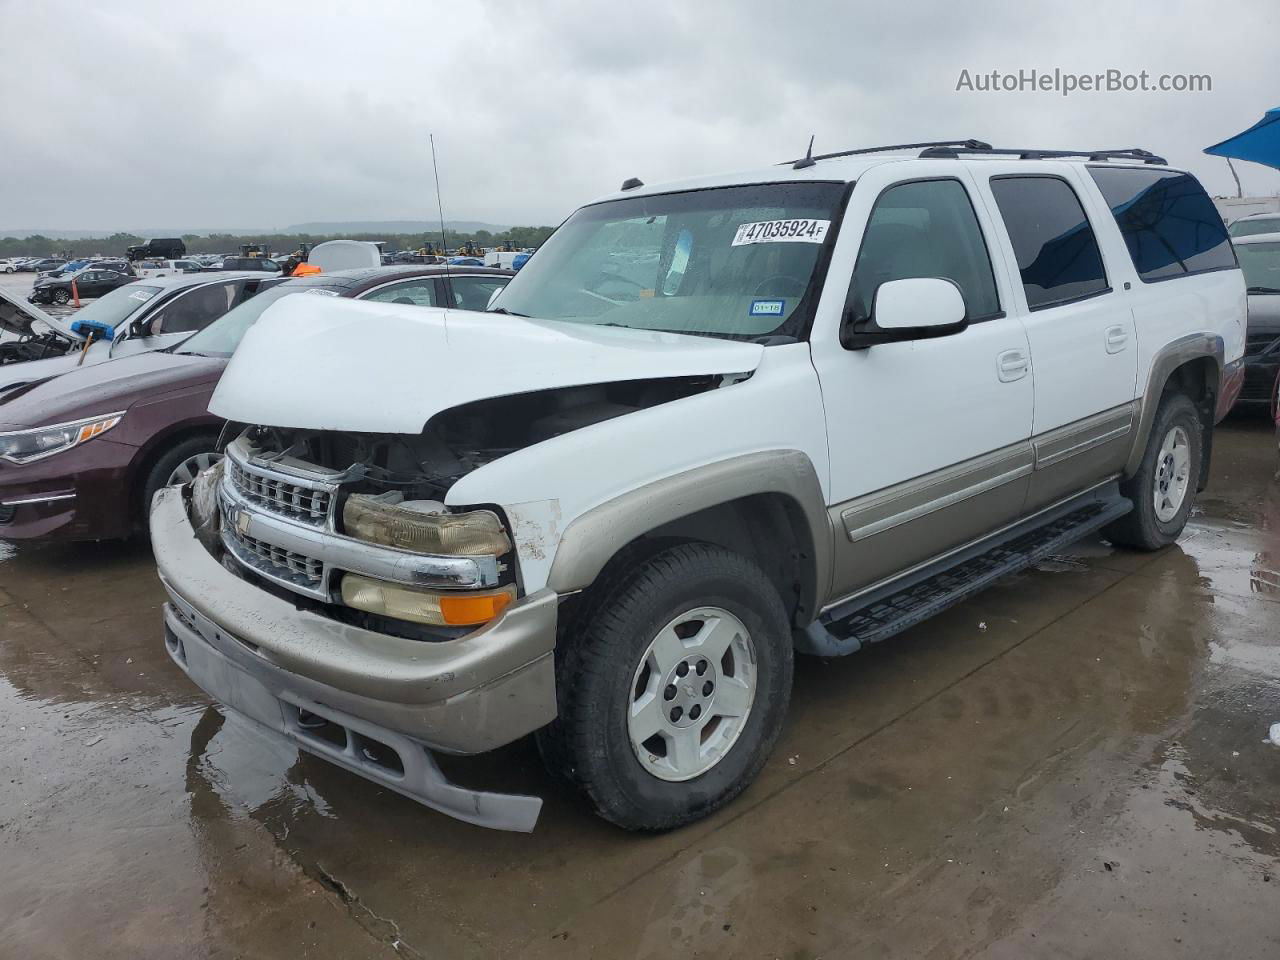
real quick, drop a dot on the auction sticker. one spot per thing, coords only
(142, 295)
(781, 231)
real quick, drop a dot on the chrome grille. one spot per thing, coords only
(279, 495)
(275, 562)
(277, 521)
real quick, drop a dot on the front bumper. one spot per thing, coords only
(283, 667)
(82, 494)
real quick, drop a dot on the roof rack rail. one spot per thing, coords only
(952, 151)
(968, 145)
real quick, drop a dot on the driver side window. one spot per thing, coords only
(926, 228)
(195, 309)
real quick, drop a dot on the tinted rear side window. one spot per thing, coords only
(1169, 223)
(1057, 252)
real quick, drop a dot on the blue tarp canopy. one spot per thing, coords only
(1260, 143)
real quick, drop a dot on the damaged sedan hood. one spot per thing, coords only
(18, 317)
(328, 364)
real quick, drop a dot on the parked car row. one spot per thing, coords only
(152, 397)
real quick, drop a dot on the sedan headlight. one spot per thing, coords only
(27, 446)
(381, 520)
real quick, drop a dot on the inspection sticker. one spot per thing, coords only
(767, 308)
(142, 295)
(781, 231)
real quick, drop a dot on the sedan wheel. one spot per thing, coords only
(186, 471)
(61, 297)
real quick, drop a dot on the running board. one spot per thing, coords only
(879, 614)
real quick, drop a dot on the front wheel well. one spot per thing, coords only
(769, 529)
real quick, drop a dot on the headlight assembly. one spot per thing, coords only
(381, 520)
(27, 446)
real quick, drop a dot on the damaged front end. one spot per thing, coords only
(35, 334)
(318, 586)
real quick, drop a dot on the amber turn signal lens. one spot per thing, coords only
(461, 609)
(424, 606)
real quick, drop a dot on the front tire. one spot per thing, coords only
(61, 297)
(673, 684)
(1164, 486)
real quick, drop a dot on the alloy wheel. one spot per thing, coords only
(186, 471)
(1173, 474)
(692, 693)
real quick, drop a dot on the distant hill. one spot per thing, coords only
(327, 228)
(391, 226)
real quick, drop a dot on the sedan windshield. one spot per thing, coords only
(221, 337)
(736, 262)
(117, 306)
(1261, 265)
(1251, 228)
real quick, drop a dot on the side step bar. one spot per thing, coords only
(881, 613)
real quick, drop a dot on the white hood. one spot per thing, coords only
(327, 364)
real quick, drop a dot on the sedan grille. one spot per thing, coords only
(279, 496)
(1255, 343)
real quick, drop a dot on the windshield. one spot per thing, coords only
(116, 307)
(221, 337)
(736, 262)
(1261, 265)
(1251, 228)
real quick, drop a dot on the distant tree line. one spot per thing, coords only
(116, 243)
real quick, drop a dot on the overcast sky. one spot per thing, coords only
(264, 114)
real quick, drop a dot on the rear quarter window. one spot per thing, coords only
(1170, 225)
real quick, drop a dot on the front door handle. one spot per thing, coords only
(1012, 365)
(1117, 339)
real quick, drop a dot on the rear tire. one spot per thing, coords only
(1164, 486)
(672, 685)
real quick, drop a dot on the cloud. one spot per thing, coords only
(261, 115)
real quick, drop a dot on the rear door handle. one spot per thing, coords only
(1117, 339)
(1012, 365)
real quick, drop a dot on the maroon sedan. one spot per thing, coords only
(82, 454)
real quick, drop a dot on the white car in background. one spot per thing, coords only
(153, 269)
(8, 266)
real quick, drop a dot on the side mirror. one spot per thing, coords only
(137, 329)
(916, 308)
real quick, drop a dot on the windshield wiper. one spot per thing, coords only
(1263, 290)
(509, 313)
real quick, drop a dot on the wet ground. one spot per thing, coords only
(1070, 765)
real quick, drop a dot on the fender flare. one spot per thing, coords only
(1168, 359)
(593, 538)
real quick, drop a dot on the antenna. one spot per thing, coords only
(807, 160)
(444, 242)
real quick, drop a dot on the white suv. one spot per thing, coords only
(708, 425)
